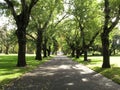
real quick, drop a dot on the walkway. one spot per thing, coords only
(61, 73)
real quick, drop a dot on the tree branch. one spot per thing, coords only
(31, 36)
(116, 21)
(23, 5)
(37, 22)
(50, 15)
(11, 6)
(93, 38)
(107, 14)
(47, 22)
(33, 2)
(65, 16)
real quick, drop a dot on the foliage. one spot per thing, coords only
(84, 19)
(7, 40)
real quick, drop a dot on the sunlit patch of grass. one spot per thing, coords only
(9, 71)
(112, 73)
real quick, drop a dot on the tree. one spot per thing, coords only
(114, 41)
(41, 20)
(70, 36)
(111, 19)
(115, 44)
(21, 15)
(7, 38)
(87, 23)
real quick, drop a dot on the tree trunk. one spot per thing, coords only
(13, 49)
(105, 36)
(45, 47)
(77, 53)
(7, 49)
(114, 52)
(49, 50)
(21, 35)
(22, 20)
(73, 53)
(105, 45)
(39, 46)
(85, 54)
(1, 50)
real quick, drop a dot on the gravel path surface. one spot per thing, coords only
(61, 73)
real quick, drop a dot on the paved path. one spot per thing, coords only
(62, 73)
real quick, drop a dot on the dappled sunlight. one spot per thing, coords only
(65, 67)
(85, 80)
(40, 73)
(101, 79)
(9, 71)
(68, 70)
(81, 68)
(70, 84)
(112, 73)
(62, 73)
(49, 68)
(8, 77)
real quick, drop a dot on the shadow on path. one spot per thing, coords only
(61, 73)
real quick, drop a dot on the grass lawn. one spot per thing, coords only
(112, 73)
(9, 71)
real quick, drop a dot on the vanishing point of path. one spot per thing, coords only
(61, 73)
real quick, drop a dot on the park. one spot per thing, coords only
(60, 45)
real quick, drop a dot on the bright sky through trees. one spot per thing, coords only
(3, 20)
(99, 0)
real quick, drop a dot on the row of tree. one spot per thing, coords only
(90, 20)
(74, 23)
(41, 15)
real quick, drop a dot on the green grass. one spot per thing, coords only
(9, 71)
(112, 73)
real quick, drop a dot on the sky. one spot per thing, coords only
(99, 0)
(3, 20)
(2, 1)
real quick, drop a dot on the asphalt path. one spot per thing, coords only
(61, 73)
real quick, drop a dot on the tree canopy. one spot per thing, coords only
(75, 27)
